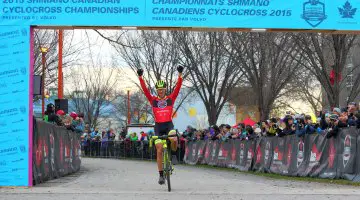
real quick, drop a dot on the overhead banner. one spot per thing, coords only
(301, 14)
(311, 155)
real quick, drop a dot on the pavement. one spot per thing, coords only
(105, 179)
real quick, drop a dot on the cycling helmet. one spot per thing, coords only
(160, 84)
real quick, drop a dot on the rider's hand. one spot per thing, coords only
(140, 72)
(180, 69)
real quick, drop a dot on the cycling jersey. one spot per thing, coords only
(162, 108)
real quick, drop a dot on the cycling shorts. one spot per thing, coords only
(163, 128)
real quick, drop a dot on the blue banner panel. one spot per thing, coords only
(14, 106)
(300, 14)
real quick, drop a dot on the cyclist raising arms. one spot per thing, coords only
(162, 107)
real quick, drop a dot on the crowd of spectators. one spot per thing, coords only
(101, 143)
(327, 122)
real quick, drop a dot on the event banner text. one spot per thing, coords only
(303, 14)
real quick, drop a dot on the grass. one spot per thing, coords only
(282, 177)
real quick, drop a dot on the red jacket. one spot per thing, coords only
(162, 108)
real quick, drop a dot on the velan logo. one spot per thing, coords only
(314, 12)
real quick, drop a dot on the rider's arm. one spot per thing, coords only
(145, 89)
(177, 88)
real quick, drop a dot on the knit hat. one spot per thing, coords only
(337, 110)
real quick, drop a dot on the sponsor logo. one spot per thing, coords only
(278, 155)
(18, 169)
(347, 150)
(161, 104)
(207, 151)
(194, 152)
(3, 85)
(187, 150)
(300, 153)
(17, 130)
(258, 154)
(233, 154)
(332, 153)
(289, 151)
(267, 152)
(213, 153)
(23, 109)
(314, 12)
(23, 148)
(18, 160)
(23, 32)
(250, 154)
(11, 72)
(242, 151)
(23, 70)
(8, 150)
(315, 156)
(3, 163)
(347, 11)
(8, 111)
(200, 152)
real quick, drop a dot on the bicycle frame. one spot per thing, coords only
(166, 161)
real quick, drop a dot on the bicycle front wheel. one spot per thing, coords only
(168, 180)
(167, 168)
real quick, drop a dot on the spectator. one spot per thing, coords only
(273, 128)
(85, 138)
(144, 136)
(104, 144)
(235, 133)
(189, 133)
(290, 127)
(78, 124)
(214, 132)
(50, 112)
(352, 112)
(133, 137)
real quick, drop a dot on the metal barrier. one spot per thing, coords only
(124, 149)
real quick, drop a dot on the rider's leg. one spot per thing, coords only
(173, 140)
(159, 156)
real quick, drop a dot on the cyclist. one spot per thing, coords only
(162, 107)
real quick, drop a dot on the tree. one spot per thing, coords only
(266, 63)
(94, 89)
(154, 51)
(325, 55)
(213, 73)
(49, 39)
(306, 87)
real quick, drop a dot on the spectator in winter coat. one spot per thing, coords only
(273, 129)
(133, 137)
(290, 127)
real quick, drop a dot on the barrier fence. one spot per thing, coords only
(310, 155)
(56, 152)
(125, 149)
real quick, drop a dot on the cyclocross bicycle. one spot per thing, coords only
(166, 162)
